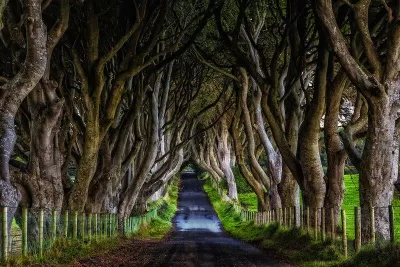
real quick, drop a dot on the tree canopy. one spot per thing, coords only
(102, 102)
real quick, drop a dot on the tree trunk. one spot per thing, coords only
(87, 166)
(225, 157)
(379, 166)
(314, 184)
(13, 93)
(100, 185)
(336, 155)
(248, 128)
(257, 187)
(288, 187)
(132, 193)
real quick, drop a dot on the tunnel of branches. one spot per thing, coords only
(103, 102)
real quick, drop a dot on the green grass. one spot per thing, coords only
(66, 252)
(249, 200)
(293, 243)
(351, 200)
(382, 255)
(161, 225)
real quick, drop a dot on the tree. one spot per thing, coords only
(15, 89)
(377, 80)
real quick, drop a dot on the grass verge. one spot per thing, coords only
(292, 243)
(66, 252)
(161, 225)
(381, 255)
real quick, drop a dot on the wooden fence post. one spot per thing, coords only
(323, 224)
(104, 225)
(316, 223)
(24, 231)
(301, 217)
(332, 224)
(357, 221)
(101, 226)
(295, 216)
(344, 236)
(75, 226)
(5, 234)
(391, 224)
(90, 226)
(95, 225)
(41, 228)
(113, 225)
(107, 225)
(82, 232)
(372, 223)
(284, 217)
(66, 224)
(54, 225)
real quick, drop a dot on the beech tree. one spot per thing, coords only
(377, 79)
(103, 102)
(29, 68)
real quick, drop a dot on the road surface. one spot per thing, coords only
(197, 239)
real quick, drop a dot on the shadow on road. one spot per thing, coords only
(197, 239)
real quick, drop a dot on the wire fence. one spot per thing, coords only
(34, 231)
(345, 228)
(321, 223)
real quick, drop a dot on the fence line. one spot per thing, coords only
(318, 228)
(38, 230)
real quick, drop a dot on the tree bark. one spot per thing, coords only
(225, 156)
(336, 154)
(314, 184)
(381, 87)
(14, 92)
(257, 186)
(132, 193)
(379, 166)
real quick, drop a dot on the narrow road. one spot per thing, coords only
(196, 240)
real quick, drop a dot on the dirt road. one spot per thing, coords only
(197, 240)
